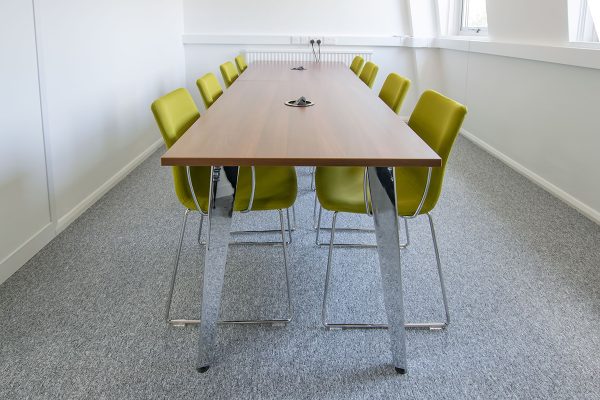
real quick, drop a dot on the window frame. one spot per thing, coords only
(461, 12)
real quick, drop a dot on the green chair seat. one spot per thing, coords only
(240, 63)
(369, 73)
(229, 73)
(175, 113)
(357, 64)
(209, 89)
(437, 120)
(201, 182)
(275, 188)
(394, 91)
(341, 189)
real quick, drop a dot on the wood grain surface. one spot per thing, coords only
(347, 126)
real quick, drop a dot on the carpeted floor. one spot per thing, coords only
(84, 318)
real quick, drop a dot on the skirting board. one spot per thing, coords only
(23, 253)
(80, 208)
(584, 209)
(35, 243)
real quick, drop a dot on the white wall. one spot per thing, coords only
(273, 18)
(101, 66)
(424, 18)
(351, 17)
(540, 117)
(24, 206)
(530, 21)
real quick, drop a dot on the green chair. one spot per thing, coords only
(357, 64)
(258, 188)
(369, 73)
(437, 120)
(210, 89)
(229, 73)
(240, 63)
(394, 91)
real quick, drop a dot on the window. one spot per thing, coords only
(582, 15)
(474, 17)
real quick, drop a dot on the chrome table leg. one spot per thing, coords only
(219, 236)
(388, 249)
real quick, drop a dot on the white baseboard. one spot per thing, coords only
(80, 208)
(23, 253)
(33, 245)
(583, 208)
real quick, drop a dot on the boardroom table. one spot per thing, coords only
(348, 125)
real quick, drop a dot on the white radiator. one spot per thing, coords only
(305, 55)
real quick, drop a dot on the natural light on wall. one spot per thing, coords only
(584, 18)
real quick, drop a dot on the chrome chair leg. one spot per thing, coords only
(200, 229)
(289, 225)
(266, 243)
(176, 266)
(280, 321)
(252, 243)
(419, 325)
(180, 322)
(439, 268)
(360, 230)
(312, 179)
(405, 244)
(315, 225)
(328, 272)
(317, 242)
(285, 263)
(294, 217)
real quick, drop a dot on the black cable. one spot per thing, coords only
(312, 43)
(319, 44)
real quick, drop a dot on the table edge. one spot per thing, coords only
(301, 162)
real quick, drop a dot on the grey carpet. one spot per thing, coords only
(84, 317)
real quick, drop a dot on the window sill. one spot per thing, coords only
(585, 55)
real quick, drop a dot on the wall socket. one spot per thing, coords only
(306, 40)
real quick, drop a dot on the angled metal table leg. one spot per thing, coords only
(219, 235)
(388, 249)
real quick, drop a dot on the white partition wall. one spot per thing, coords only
(101, 64)
(98, 85)
(539, 117)
(532, 97)
(24, 206)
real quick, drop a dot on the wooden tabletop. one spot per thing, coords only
(282, 71)
(347, 126)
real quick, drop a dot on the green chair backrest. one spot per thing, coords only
(175, 113)
(240, 63)
(394, 91)
(229, 73)
(369, 73)
(357, 64)
(210, 89)
(437, 120)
